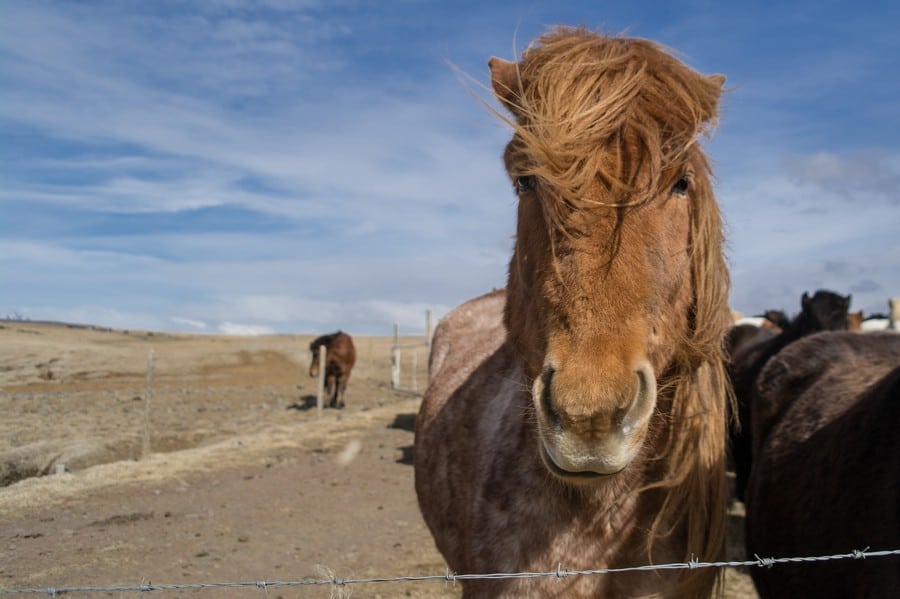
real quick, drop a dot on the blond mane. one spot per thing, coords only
(585, 92)
(597, 116)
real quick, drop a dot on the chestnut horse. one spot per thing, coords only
(577, 419)
(340, 356)
(826, 470)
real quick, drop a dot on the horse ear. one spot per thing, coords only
(505, 81)
(718, 80)
(804, 301)
(710, 102)
(848, 299)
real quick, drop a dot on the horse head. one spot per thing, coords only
(824, 311)
(617, 281)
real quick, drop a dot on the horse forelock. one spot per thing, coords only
(605, 114)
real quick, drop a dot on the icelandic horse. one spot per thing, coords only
(577, 418)
(825, 478)
(340, 357)
(824, 311)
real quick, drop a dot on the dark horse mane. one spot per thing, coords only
(324, 340)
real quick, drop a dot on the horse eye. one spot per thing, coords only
(524, 184)
(681, 186)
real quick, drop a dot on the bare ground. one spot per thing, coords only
(243, 480)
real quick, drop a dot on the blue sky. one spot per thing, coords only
(277, 166)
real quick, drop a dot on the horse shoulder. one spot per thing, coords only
(468, 342)
(469, 385)
(466, 335)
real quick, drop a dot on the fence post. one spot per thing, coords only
(145, 437)
(395, 358)
(320, 391)
(428, 345)
(894, 313)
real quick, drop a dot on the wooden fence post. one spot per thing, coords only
(894, 313)
(145, 438)
(395, 359)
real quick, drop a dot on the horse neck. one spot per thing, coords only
(800, 326)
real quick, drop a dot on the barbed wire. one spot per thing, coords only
(450, 577)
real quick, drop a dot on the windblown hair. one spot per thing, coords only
(627, 96)
(619, 119)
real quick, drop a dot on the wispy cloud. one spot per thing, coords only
(870, 178)
(268, 165)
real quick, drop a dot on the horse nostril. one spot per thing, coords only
(547, 397)
(644, 400)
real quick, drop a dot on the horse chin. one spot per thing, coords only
(576, 476)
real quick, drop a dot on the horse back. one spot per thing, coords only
(466, 336)
(827, 477)
(818, 379)
(341, 354)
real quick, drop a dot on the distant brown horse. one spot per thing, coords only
(826, 470)
(577, 419)
(340, 357)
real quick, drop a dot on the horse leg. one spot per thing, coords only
(330, 390)
(343, 387)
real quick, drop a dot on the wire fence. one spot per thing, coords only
(409, 361)
(450, 577)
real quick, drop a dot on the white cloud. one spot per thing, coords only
(189, 322)
(230, 328)
(868, 177)
(363, 158)
(816, 221)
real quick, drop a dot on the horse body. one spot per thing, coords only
(826, 471)
(578, 420)
(472, 499)
(340, 357)
(824, 311)
(778, 318)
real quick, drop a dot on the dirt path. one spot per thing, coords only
(306, 501)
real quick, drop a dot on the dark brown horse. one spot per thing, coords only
(578, 418)
(824, 311)
(340, 357)
(826, 470)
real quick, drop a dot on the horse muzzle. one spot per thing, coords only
(592, 438)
